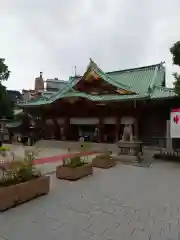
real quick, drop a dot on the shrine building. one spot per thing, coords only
(98, 105)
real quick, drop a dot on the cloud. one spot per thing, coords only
(54, 36)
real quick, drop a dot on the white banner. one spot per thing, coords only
(175, 123)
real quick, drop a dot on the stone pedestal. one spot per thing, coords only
(131, 147)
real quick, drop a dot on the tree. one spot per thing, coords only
(175, 51)
(4, 71)
(6, 108)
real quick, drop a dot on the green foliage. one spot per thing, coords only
(19, 171)
(4, 71)
(175, 51)
(105, 155)
(73, 162)
(4, 148)
(6, 106)
(177, 83)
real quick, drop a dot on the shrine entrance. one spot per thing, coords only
(87, 131)
(109, 132)
(109, 129)
(83, 127)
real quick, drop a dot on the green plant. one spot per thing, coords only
(175, 51)
(4, 148)
(19, 171)
(73, 162)
(107, 153)
(84, 147)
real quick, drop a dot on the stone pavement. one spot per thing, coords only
(44, 151)
(123, 202)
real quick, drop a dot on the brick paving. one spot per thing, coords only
(124, 202)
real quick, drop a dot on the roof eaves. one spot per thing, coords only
(112, 97)
(163, 92)
(56, 81)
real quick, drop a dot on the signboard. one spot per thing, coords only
(127, 120)
(109, 121)
(175, 123)
(84, 121)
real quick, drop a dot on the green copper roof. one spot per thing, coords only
(140, 79)
(162, 92)
(97, 98)
(144, 82)
(109, 97)
(91, 67)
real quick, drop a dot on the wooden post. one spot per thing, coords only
(66, 128)
(101, 132)
(117, 129)
(136, 130)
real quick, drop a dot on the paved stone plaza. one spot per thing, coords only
(124, 202)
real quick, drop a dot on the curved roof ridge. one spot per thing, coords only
(152, 85)
(127, 87)
(137, 68)
(63, 90)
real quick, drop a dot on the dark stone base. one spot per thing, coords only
(167, 156)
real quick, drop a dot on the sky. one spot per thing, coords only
(55, 36)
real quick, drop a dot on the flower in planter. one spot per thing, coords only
(73, 162)
(84, 147)
(4, 150)
(18, 171)
(104, 155)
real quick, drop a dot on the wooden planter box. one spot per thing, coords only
(16, 194)
(72, 174)
(103, 162)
